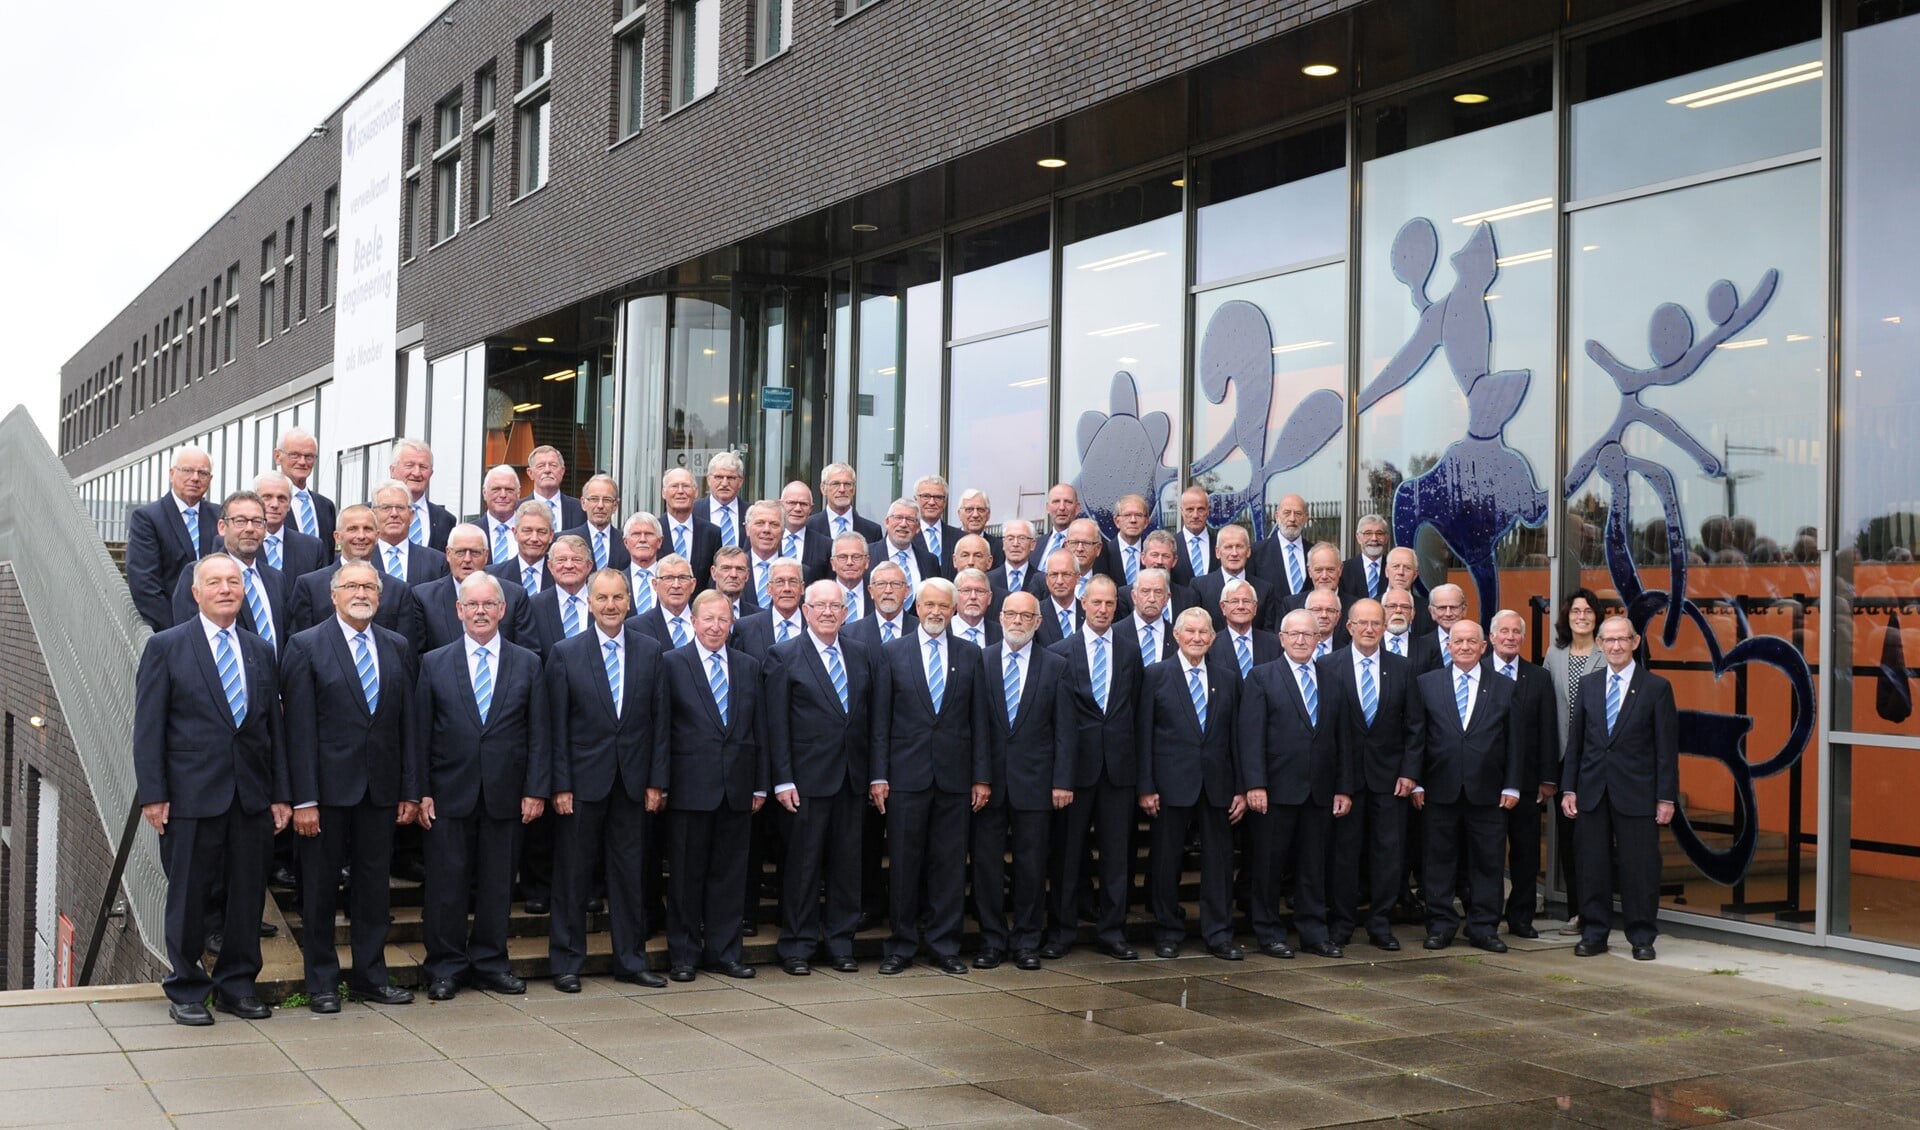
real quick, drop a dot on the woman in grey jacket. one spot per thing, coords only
(1572, 655)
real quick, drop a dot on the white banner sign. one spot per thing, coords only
(360, 402)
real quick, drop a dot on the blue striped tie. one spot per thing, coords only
(1613, 701)
(272, 546)
(192, 519)
(599, 549)
(530, 580)
(1295, 575)
(1066, 621)
(1369, 693)
(232, 679)
(1100, 673)
(369, 674)
(642, 591)
(1393, 644)
(1245, 654)
(257, 607)
(727, 536)
(1373, 579)
(417, 530)
(717, 681)
(499, 544)
(839, 525)
(1149, 647)
(1311, 693)
(1199, 695)
(679, 633)
(1011, 685)
(1460, 698)
(760, 583)
(482, 684)
(853, 606)
(303, 507)
(933, 541)
(570, 617)
(886, 631)
(1133, 563)
(973, 635)
(395, 568)
(791, 546)
(680, 541)
(613, 674)
(1196, 554)
(838, 674)
(936, 675)
(786, 631)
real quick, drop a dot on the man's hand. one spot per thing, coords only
(425, 815)
(1342, 804)
(1663, 813)
(1419, 798)
(877, 793)
(563, 804)
(656, 799)
(981, 795)
(1257, 800)
(1568, 807)
(1508, 801)
(282, 813)
(407, 812)
(1237, 808)
(789, 799)
(1150, 804)
(156, 815)
(1547, 789)
(758, 800)
(306, 821)
(530, 809)
(1403, 787)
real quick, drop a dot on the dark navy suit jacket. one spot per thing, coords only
(274, 586)
(1102, 740)
(187, 752)
(1294, 758)
(1452, 764)
(483, 767)
(338, 752)
(435, 601)
(1638, 764)
(714, 763)
(1179, 759)
(157, 548)
(916, 747)
(592, 745)
(1035, 753)
(617, 555)
(812, 743)
(300, 554)
(1372, 756)
(312, 603)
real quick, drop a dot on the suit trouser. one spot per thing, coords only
(473, 853)
(1569, 858)
(1295, 834)
(925, 831)
(1596, 831)
(194, 852)
(1109, 809)
(1523, 858)
(1376, 831)
(764, 842)
(873, 856)
(1216, 871)
(823, 840)
(993, 827)
(1479, 831)
(359, 836)
(709, 853)
(613, 830)
(537, 846)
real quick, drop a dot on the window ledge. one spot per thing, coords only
(858, 12)
(533, 90)
(770, 59)
(689, 104)
(530, 193)
(634, 136)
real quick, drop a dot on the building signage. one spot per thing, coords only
(360, 402)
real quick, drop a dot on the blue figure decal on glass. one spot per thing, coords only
(1479, 489)
(1237, 354)
(1122, 452)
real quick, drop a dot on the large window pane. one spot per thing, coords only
(699, 391)
(1001, 276)
(896, 429)
(643, 350)
(1267, 206)
(999, 406)
(1876, 875)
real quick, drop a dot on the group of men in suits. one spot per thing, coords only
(540, 699)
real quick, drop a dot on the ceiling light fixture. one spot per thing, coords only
(866, 227)
(1126, 260)
(1319, 70)
(1506, 212)
(562, 375)
(519, 349)
(525, 407)
(1772, 80)
(1179, 182)
(1469, 98)
(544, 340)
(1052, 162)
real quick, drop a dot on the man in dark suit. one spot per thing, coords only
(849, 560)
(293, 553)
(1195, 537)
(762, 544)
(935, 538)
(1281, 560)
(1101, 688)
(976, 615)
(887, 619)
(312, 600)
(1161, 550)
(548, 470)
(1060, 611)
(211, 772)
(837, 515)
(1063, 510)
(499, 507)
(931, 766)
(1032, 732)
(533, 535)
(1290, 765)
(412, 466)
(1448, 606)
(642, 533)
(970, 551)
(1618, 784)
(783, 620)
(1536, 719)
(777, 620)
(263, 612)
(1371, 733)
(1130, 517)
(1464, 760)
(798, 539)
(670, 622)
(400, 558)
(1323, 575)
(1018, 572)
(716, 781)
(1232, 547)
(1327, 612)
(347, 687)
(975, 511)
(600, 498)
(721, 507)
(610, 749)
(167, 535)
(438, 601)
(901, 546)
(296, 454)
(484, 719)
(681, 530)
(1239, 648)
(560, 610)
(1189, 773)
(1147, 630)
(1364, 575)
(820, 692)
(1403, 572)
(731, 578)
(1401, 638)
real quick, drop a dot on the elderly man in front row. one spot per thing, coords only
(211, 772)
(484, 720)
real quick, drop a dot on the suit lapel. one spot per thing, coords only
(818, 668)
(337, 647)
(701, 673)
(203, 657)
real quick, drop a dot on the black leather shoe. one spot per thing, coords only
(1278, 949)
(733, 969)
(1341, 939)
(680, 973)
(283, 876)
(1054, 951)
(847, 964)
(646, 978)
(796, 967)
(537, 906)
(1489, 942)
(246, 1008)
(1437, 941)
(951, 965)
(989, 959)
(215, 939)
(566, 982)
(324, 1003)
(505, 983)
(1228, 951)
(1322, 949)
(411, 870)
(1166, 949)
(894, 963)
(385, 994)
(864, 922)
(1026, 959)
(1385, 942)
(193, 1014)
(1643, 953)
(596, 906)
(1589, 949)
(441, 991)
(1527, 932)
(269, 930)
(1120, 951)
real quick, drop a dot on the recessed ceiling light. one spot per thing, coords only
(544, 340)
(866, 227)
(1319, 70)
(1179, 182)
(1471, 99)
(519, 349)
(723, 278)
(525, 407)
(1052, 162)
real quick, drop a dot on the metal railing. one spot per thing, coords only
(90, 637)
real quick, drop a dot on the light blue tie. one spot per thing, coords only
(936, 675)
(530, 580)
(839, 525)
(1311, 693)
(973, 636)
(232, 678)
(680, 542)
(369, 674)
(1507, 670)
(1100, 679)
(838, 674)
(1460, 698)
(1149, 646)
(1066, 621)
(395, 568)
(570, 616)
(599, 549)
(1011, 685)
(272, 545)
(642, 590)
(760, 583)
(1446, 648)
(613, 674)
(1058, 543)
(1369, 693)
(1014, 578)
(1295, 575)
(717, 681)
(303, 508)
(933, 541)
(727, 536)
(192, 519)
(1613, 700)
(1245, 653)
(786, 631)
(1199, 695)
(1133, 563)
(482, 684)
(679, 633)
(553, 508)
(257, 607)
(417, 530)
(886, 631)
(791, 546)
(1080, 589)
(1373, 579)
(1197, 554)
(1393, 644)
(499, 544)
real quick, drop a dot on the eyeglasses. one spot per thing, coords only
(193, 473)
(482, 605)
(1300, 635)
(358, 586)
(245, 523)
(1019, 616)
(598, 499)
(392, 507)
(674, 578)
(886, 584)
(1619, 641)
(1019, 539)
(827, 605)
(930, 497)
(1081, 542)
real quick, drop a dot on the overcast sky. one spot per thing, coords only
(133, 127)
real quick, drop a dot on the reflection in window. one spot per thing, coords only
(643, 335)
(1877, 881)
(897, 410)
(699, 392)
(1271, 205)
(999, 411)
(1001, 276)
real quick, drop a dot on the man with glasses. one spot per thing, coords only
(533, 534)
(820, 693)
(285, 548)
(783, 619)
(1060, 610)
(849, 560)
(974, 618)
(548, 469)
(837, 515)
(1130, 516)
(167, 535)
(1018, 572)
(1233, 546)
(500, 502)
(412, 466)
(936, 538)
(887, 619)
(1063, 509)
(438, 601)
(798, 539)
(901, 546)
(682, 532)
(243, 527)
(1239, 648)
(312, 600)
(720, 509)
(1281, 560)
(1365, 573)
(600, 498)
(1323, 575)
(1619, 783)
(669, 622)
(1448, 604)
(296, 454)
(975, 511)
(400, 558)
(642, 539)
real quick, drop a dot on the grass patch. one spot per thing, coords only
(1471, 960)
(1435, 977)
(295, 1000)
(1355, 1017)
(1354, 984)
(1837, 1020)
(1815, 1002)
(1735, 1032)
(1776, 1020)
(1562, 977)
(1725, 972)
